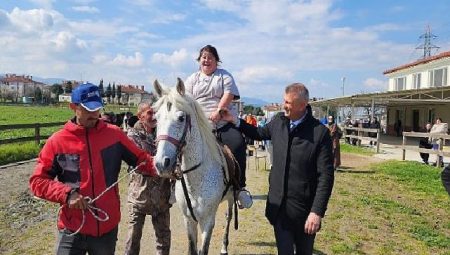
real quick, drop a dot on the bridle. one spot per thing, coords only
(179, 144)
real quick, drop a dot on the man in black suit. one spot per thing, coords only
(302, 175)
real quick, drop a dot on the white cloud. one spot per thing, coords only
(257, 74)
(67, 41)
(128, 61)
(86, 8)
(169, 18)
(174, 60)
(375, 84)
(32, 21)
(230, 5)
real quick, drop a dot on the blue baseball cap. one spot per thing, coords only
(88, 96)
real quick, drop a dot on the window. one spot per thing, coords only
(438, 77)
(417, 80)
(400, 83)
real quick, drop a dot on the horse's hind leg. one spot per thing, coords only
(228, 216)
(191, 227)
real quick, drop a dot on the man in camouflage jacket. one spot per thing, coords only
(147, 195)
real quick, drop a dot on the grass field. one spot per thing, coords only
(357, 150)
(27, 115)
(388, 207)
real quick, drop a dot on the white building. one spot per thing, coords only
(15, 87)
(430, 72)
(427, 83)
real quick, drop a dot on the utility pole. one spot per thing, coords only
(427, 45)
(343, 85)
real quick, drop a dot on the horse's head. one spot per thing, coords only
(174, 123)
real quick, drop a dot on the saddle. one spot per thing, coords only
(234, 170)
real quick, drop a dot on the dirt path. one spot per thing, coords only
(254, 236)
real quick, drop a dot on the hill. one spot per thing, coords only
(253, 101)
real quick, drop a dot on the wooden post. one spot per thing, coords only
(403, 147)
(440, 149)
(378, 141)
(37, 133)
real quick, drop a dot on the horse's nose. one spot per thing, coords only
(166, 162)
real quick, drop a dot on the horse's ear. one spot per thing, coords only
(180, 87)
(158, 88)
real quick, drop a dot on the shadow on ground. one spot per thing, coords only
(350, 171)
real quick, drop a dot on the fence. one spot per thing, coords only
(362, 134)
(438, 152)
(37, 132)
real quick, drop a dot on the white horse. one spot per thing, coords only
(185, 139)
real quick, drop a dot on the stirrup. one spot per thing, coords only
(244, 199)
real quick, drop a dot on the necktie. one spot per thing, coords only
(292, 126)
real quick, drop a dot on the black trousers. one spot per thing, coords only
(80, 244)
(233, 138)
(290, 242)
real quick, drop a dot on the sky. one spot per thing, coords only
(265, 44)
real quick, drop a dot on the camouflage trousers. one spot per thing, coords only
(161, 226)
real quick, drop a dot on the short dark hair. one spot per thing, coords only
(211, 49)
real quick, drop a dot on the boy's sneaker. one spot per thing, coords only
(244, 199)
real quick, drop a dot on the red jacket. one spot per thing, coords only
(88, 160)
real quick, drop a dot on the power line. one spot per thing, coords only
(427, 46)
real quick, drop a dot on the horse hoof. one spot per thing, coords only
(226, 253)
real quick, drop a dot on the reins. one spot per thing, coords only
(92, 208)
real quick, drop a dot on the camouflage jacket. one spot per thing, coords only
(149, 194)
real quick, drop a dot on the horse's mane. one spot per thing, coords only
(191, 107)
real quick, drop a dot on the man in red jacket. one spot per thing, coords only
(75, 167)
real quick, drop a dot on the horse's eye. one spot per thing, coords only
(181, 118)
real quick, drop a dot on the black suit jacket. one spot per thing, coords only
(302, 175)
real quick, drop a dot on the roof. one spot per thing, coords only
(131, 89)
(426, 96)
(419, 62)
(17, 78)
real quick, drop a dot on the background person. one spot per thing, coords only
(214, 89)
(79, 162)
(374, 124)
(335, 134)
(302, 176)
(438, 128)
(147, 195)
(424, 143)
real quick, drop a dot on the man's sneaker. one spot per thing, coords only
(244, 199)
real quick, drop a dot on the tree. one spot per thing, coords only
(68, 87)
(108, 92)
(57, 90)
(113, 92)
(119, 93)
(38, 95)
(101, 90)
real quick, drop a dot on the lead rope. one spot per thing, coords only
(92, 208)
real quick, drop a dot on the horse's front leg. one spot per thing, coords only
(228, 216)
(191, 227)
(206, 227)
